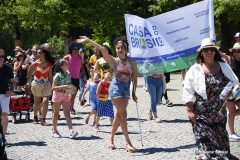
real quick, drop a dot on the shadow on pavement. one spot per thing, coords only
(87, 138)
(178, 105)
(135, 119)
(28, 143)
(74, 124)
(63, 118)
(153, 150)
(176, 121)
(120, 133)
(170, 89)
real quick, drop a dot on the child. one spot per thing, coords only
(104, 107)
(61, 97)
(92, 87)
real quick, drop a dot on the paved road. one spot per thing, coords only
(170, 140)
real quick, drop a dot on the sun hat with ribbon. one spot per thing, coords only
(207, 43)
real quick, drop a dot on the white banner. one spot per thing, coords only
(168, 41)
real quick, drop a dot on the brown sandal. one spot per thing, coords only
(111, 146)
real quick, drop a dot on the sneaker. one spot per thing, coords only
(73, 111)
(157, 120)
(238, 134)
(234, 136)
(169, 103)
(55, 134)
(160, 102)
(145, 88)
(73, 134)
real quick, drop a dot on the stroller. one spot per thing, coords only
(19, 105)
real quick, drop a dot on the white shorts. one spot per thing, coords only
(4, 103)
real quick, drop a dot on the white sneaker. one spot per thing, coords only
(55, 134)
(73, 134)
(238, 134)
(234, 136)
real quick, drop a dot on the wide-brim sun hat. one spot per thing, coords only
(237, 35)
(207, 43)
(235, 46)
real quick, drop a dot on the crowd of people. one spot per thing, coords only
(108, 79)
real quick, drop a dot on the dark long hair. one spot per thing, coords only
(48, 55)
(217, 57)
(57, 66)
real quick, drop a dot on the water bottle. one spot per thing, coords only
(226, 92)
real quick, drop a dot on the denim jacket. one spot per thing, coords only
(195, 81)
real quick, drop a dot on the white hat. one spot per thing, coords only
(207, 43)
(237, 35)
(235, 46)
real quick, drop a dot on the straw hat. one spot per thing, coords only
(235, 46)
(207, 43)
(34, 48)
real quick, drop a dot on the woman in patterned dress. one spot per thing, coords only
(41, 84)
(203, 84)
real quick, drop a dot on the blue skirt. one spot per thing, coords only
(105, 108)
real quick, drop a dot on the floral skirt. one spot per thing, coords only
(41, 88)
(211, 140)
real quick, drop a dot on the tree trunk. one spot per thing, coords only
(18, 40)
(226, 33)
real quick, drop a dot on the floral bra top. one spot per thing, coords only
(41, 72)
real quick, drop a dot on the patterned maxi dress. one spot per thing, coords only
(210, 128)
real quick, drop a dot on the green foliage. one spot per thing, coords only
(162, 6)
(57, 44)
(231, 8)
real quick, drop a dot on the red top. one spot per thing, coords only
(103, 93)
(41, 71)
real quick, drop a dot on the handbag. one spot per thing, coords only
(71, 90)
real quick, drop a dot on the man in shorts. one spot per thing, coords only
(7, 84)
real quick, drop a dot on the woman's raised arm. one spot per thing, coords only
(106, 56)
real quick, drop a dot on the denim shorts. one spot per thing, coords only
(119, 89)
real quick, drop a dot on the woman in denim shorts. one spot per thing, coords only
(124, 71)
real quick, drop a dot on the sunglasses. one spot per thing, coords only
(208, 49)
(2, 56)
(236, 51)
